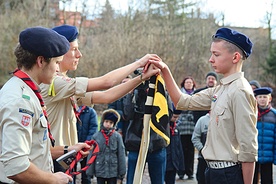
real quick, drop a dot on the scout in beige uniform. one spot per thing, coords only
(231, 145)
(60, 97)
(24, 143)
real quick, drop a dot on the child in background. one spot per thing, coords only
(175, 160)
(266, 126)
(110, 163)
(86, 128)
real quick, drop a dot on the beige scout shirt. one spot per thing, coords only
(23, 131)
(60, 110)
(232, 133)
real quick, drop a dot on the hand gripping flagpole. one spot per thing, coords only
(145, 133)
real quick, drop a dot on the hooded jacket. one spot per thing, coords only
(110, 161)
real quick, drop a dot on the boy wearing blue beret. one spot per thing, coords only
(231, 146)
(26, 141)
(266, 126)
(63, 94)
(110, 163)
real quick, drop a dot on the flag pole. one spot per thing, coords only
(138, 175)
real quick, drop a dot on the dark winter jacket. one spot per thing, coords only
(89, 124)
(175, 159)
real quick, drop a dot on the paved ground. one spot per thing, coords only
(146, 179)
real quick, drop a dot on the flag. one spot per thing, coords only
(160, 113)
(156, 117)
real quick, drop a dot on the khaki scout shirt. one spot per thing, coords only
(23, 131)
(232, 133)
(60, 109)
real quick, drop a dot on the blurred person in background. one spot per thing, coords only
(185, 126)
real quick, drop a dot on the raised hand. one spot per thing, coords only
(147, 58)
(159, 64)
(151, 70)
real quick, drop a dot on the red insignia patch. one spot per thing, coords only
(25, 121)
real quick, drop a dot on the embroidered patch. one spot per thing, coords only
(26, 112)
(214, 98)
(25, 121)
(26, 97)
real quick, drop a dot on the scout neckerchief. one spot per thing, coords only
(172, 127)
(20, 74)
(106, 136)
(262, 112)
(78, 113)
(75, 108)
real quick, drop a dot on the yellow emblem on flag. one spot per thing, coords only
(160, 113)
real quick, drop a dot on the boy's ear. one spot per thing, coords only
(236, 58)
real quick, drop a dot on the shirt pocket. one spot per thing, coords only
(220, 112)
(42, 134)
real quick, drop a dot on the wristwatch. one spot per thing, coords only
(65, 149)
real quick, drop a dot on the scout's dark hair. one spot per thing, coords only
(25, 58)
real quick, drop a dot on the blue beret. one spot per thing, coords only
(70, 32)
(263, 91)
(111, 116)
(236, 38)
(43, 42)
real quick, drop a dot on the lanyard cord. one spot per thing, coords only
(96, 150)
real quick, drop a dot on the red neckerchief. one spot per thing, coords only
(262, 112)
(172, 127)
(74, 105)
(22, 75)
(78, 113)
(107, 136)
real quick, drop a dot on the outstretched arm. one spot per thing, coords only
(116, 76)
(112, 94)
